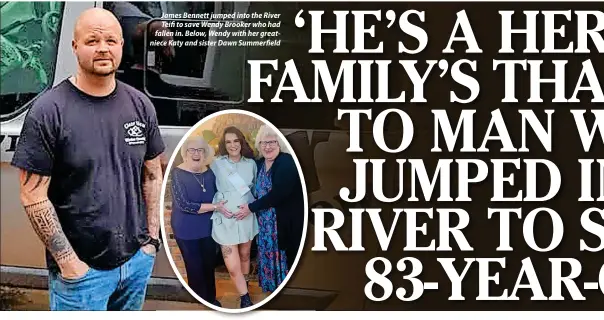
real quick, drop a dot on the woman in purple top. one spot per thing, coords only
(193, 188)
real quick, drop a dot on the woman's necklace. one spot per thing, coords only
(200, 183)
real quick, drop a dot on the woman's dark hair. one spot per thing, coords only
(246, 149)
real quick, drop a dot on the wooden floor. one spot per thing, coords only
(228, 296)
(226, 292)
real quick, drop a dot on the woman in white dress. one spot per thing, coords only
(235, 170)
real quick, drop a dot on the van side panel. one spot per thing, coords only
(19, 245)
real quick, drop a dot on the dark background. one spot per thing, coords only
(482, 233)
(319, 142)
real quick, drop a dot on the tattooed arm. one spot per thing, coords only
(44, 220)
(152, 182)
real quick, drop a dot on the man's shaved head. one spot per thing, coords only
(97, 42)
(95, 16)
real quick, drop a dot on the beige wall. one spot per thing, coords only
(213, 128)
(210, 128)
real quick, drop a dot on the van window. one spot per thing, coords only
(209, 80)
(29, 33)
(179, 79)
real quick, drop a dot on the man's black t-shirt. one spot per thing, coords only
(94, 149)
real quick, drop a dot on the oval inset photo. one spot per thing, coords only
(234, 211)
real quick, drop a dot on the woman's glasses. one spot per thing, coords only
(198, 150)
(270, 143)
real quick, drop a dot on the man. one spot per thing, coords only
(91, 176)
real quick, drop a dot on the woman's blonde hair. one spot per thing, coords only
(208, 151)
(265, 131)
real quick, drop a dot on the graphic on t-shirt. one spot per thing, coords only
(135, 132)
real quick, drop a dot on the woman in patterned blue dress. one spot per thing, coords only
(272, 262)
(280, 210)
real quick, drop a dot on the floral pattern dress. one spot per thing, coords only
(272, 262)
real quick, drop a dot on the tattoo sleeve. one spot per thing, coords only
(43, 217)
(152, 182)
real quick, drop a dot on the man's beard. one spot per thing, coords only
(102, 72)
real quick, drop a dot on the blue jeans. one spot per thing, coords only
(122, 288)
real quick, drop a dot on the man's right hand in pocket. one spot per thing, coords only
(74, 269)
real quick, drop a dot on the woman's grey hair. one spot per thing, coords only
(208, 151)
(266, 131)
